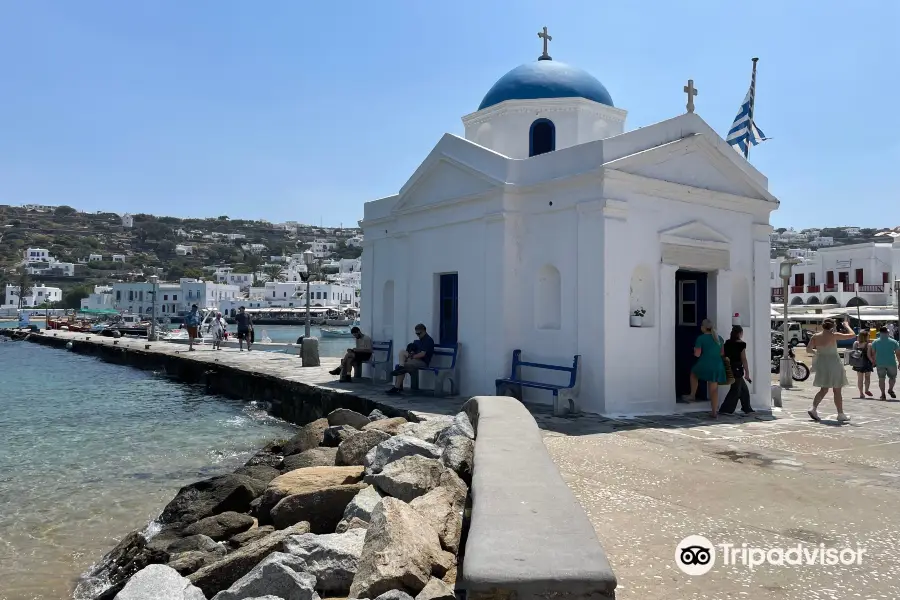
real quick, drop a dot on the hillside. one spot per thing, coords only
(149, 246)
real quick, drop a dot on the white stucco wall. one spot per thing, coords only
(509, 227)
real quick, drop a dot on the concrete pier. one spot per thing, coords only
(294, 393)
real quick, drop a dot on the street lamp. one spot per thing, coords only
(785, 269)
(154, 282)
(308, 258)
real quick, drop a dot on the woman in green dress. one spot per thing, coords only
(710, 366)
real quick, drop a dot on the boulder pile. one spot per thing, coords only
(351, 506)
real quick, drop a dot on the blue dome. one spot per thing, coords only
(546, 79)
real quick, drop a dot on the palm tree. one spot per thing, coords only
(274, 273)
(24, 283)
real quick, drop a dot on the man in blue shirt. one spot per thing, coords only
(416, 356)
(884, 353)
(192, 324)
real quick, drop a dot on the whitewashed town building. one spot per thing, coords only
(857, 274)
(39, 295)
(548, 225)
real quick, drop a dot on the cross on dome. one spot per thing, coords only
(546, 37)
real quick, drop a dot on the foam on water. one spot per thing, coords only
(92, 451)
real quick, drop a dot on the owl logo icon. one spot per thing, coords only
(695, 555)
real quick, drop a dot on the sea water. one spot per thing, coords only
(90, 451)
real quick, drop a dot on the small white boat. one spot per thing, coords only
(333, 332)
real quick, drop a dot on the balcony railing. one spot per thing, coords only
(778, 291)
(849, 287)
(796, 289)
(830, 287)
(812, 289)
(871, 288)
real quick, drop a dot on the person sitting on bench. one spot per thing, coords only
(361, 353)
(416, 356)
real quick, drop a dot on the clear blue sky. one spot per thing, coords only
(289, 110)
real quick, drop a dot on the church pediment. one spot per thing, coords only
(694, 233)
(444, 180)
(692, 161)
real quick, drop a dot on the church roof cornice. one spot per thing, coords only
(546, 105)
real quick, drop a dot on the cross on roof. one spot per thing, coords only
(691, 91)
(546, 37)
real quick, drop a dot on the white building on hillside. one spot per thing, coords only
(181, 250)
(843, 275)
(37, 255)
(227, 275)
(93, 257)
(548, 226)
(39, 295)
(127, 221)
(38, 261)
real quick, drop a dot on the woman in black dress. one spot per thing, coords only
(736, 353)
(859, 358)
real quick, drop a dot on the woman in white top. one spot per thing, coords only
(218, 331)
(829, 367)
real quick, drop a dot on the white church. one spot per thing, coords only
(548, 226)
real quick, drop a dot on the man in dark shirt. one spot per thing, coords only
(244, 328)
(416, 356)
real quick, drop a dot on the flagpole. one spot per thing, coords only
(752, 102)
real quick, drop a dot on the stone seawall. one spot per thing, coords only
(291, 392)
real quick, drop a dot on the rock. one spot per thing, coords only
(333, 559)
(314, 457)
(159, 582)
(396, 448)
(262, 473)
(460, 427)
(251, 535)
(414, 476)
(426, 430)
(301, 481)
(221, 526)
(443, 508)
(309, 436)
(362, 505)
(110, 574)
(401, 551)
(273, 576)
(189, 543)
(188, 562)
(353, 450)
(335, 435)
(343, 416)
(321, 508)
(354, 523)
(458, 454)
(394, 595)
(211, 497)
(436, 589)
(221, 574)
(377, 415)
(391, 426)
(264, 459)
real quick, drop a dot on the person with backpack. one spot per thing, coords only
(861, 363)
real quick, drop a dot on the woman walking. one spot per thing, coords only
(217, 326)
(829, 367)
(710, 367)
(736, 353)
(862, 364)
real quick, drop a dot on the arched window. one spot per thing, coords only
(542, 137)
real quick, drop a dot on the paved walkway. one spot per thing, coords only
(284, 366)
(768, 482)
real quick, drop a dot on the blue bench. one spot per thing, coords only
(565, 397)
(379, 366)
(444, 367)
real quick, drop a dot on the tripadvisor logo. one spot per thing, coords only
(696, 555)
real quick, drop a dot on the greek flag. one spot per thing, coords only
(743, 130)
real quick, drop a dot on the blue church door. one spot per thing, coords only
(690, 310)
(448, 305)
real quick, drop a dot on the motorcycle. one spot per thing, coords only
(799, 370)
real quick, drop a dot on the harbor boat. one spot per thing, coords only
(335, 332)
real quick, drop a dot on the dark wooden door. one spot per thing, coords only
(690, 310)
(449, 307)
